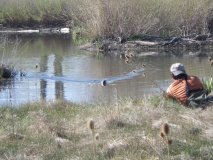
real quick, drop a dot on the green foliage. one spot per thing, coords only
(208, 84)
(78, 35)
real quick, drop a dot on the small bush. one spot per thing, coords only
(208, 84)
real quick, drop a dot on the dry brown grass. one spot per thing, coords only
(131, 17)
(109, 18)
(58, 131)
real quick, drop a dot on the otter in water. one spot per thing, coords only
(103, 82)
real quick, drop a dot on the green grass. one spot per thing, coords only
(128, 129)
(208, 84)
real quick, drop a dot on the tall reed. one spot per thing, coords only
(110, 18)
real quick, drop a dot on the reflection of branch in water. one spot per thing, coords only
(11, 56)
(4, 84)
(158, 86)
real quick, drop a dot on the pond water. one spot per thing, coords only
(56, 69)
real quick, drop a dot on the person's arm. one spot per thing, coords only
(167, 93)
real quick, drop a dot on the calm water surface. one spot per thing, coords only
(55, 69)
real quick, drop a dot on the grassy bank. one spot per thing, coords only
(100, 18)
(129, 129)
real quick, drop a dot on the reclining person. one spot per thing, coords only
(186, 89)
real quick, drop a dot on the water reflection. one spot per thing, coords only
(43, 82)
(57, 70)
(5, 84)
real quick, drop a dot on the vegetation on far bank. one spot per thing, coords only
(109, 18)
(127, 129)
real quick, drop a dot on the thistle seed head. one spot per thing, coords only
(169, 141)
(162, 134)
(97, 136)
(165, 129)
(90, 124)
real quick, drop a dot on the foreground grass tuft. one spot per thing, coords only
(128, 129)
